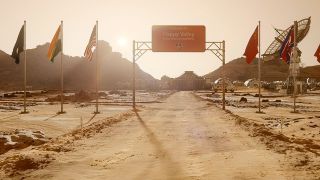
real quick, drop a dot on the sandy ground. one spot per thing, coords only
(182, 138)
(43, 114)
(277, 116)
(46, 119)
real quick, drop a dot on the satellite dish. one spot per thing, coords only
(272, 51)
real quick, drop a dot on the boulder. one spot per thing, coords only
(243, 99)
(20, 139)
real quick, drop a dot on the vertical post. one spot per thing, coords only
(81, 123)
(97, 72)
(25, 68)
(259, 67)
(223, 75)
(294, 61)
(61, 68)
(134, 75)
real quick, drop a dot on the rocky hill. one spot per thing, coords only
(79, 73)
(312, 72)
(238, 69)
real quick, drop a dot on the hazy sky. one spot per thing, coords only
(121, 21)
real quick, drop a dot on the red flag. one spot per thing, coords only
(317, 54)
(252, 47)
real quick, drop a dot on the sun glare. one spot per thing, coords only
(122, 41)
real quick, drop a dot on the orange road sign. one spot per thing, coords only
(178, 38)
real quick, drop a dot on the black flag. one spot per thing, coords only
(18, 47)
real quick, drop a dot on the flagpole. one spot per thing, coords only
(294, 59)
(61, 69)
(25, 69)
(259, 68)
(97, 72)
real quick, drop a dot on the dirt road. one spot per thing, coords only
(182, 138)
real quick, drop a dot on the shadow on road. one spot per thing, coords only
(51, 117)
(8, 117)
(172, 168)
(94, 115)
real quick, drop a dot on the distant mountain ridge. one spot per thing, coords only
(273, 70)
(79, 73)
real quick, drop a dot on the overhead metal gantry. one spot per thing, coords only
(141, 47)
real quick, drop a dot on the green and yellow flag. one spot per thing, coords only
(55, 45)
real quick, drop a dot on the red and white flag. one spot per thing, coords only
(92, 43)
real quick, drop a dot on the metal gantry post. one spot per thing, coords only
(139, 48)
(134, 76)
(219, 50)
(223, 75)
